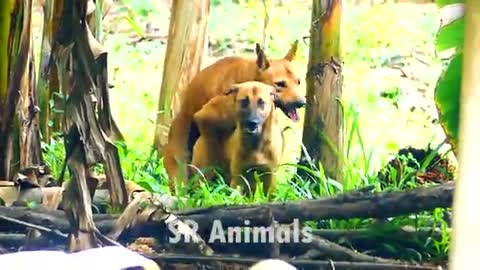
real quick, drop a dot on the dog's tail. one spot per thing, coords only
(176, 154)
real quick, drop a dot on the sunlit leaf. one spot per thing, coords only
(442, 3)
(447, 97)
(450, 13)
(451, 35)
(448, 88)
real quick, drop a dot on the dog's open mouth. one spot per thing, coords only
(293, 114)
(290, 109)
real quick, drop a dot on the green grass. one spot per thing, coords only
(376, 127)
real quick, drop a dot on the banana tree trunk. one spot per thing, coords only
(323, 126)
(19, 136)
(81, 64)
(51, 117)
(6, 8)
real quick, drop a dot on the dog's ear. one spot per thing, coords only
(291, 53)
(262, 61)
(231, 90)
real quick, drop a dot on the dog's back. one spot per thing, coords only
(215, 78)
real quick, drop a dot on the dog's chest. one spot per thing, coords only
(262, 156)
(257, 158)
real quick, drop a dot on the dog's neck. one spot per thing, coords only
(257, 141)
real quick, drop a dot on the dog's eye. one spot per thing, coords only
(298, 81)
(280, 84)
(244, 102)
(261, 103)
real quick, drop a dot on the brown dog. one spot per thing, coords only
(214, 79)
(256, 144)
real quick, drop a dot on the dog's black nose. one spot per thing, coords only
(299, 103)
(252, 124)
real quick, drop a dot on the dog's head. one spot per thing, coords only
(280, 74)
(254, 102)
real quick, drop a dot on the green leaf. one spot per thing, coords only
(451, 35)
(442, 3)
(146, 185)
(447, 97)
(448, 88)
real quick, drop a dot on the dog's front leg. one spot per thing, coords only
(203, 157)
(269, 181)
(235, 174)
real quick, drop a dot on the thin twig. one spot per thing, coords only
(33, 226)
(338, 252)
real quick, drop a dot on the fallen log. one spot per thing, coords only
(370, 239)
(43, 229)
(374, 237)
(338, 252)
(100, 201)
(356, 204)
(52, 219)
(362, 205)
(18, 239)
(379, 233)
(345, 206)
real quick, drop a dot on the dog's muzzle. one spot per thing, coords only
(290, 108)
(251, 126)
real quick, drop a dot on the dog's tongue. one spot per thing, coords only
(292, 114)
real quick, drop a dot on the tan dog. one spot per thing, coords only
(256, 145)
(212, 81)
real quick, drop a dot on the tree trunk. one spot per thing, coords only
(19, 140)
(81, 64)
(30, 151)
(7, 10)
(51, 118)
(105, 117)
(186, 39)
(466, 221)
(323, 126)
